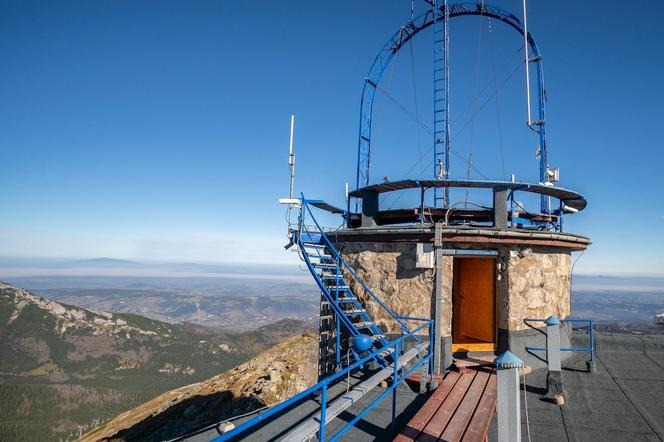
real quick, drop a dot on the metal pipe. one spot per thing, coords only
(291, 166)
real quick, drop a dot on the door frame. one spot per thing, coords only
(483, 346)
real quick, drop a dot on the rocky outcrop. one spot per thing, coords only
(269, 378)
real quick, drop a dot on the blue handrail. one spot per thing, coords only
(324, 384)
(591, 345)
(324, 290)
(350, 270)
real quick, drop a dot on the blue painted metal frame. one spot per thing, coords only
(407, 32)
(589, 327)
(441, 98)
(333, 249)
(323, 385)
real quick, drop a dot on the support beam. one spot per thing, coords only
(438, 302)
(500, 207)
(369, 209)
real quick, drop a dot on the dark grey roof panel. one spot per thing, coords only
(570, 198)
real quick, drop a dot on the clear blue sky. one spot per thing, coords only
(159, 130)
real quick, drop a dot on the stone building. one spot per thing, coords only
(479, 273)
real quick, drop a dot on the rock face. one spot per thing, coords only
(269, 378)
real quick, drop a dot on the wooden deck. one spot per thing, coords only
(460, 409)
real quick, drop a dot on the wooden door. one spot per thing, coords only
(474, 304)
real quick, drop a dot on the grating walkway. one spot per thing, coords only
(460, 409)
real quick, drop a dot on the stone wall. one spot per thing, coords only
(389, 270)
(538, 286)
(534, 283)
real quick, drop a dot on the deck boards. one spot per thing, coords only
(461, 408)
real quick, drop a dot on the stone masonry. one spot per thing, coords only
(532, 283)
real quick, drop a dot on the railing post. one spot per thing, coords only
(590, 365)
(394, 388)
(509, 402)
(323, 407)
(554, 378)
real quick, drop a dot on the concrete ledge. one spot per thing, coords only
(461, 235)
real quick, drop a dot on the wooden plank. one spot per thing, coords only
(442, 417)
(459, 422)
(428, 409)
(479, 424)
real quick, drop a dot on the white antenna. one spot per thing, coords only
(290, 201)
(291, 160)
(525, 46)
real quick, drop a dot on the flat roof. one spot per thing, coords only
(568, 197)
(622, 400)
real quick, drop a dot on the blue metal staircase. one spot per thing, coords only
(330, 272)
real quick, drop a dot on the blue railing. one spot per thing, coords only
(589, 327)
(338, 256)
(322, 386)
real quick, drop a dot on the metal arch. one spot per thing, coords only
(406, 33)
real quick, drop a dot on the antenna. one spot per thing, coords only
(290, 201)
(291, 160)
(291, 166)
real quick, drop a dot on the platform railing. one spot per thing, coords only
(399, 376)
(590, 348)
(306, 209)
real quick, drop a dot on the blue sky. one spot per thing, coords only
(159, 130)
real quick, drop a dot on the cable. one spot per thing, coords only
(412, 65)
(471, 105)
(424, 126)
(495, 88)
(472, 127)
(525, 403)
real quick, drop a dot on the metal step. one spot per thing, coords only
(387, 351)
(323, 266)
(355, 311)
(346, 299)
(314, 244)
(364, 324)
(333, 277)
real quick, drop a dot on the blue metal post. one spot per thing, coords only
(337, 323)
(544, 155)
(323, 409)
(432, 354)
(560, 217)
(394, 386)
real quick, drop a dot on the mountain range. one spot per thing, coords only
(65, 369)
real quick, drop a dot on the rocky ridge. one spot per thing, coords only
(269, 378)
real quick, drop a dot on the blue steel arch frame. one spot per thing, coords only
(406, 33)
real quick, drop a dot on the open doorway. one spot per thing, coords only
(474, 304)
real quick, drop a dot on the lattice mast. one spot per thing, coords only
(441, 99)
